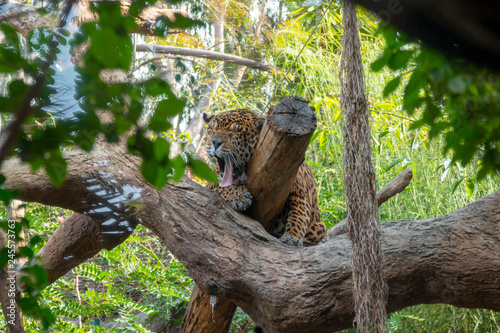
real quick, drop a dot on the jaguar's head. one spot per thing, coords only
(231, 139)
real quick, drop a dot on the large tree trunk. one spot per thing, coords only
(202, 317)
(452, 259)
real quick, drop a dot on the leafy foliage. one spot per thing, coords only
(450, 96)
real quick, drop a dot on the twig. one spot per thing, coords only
(395, 186)
(392, 114)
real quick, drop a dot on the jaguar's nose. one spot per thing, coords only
(216, 143)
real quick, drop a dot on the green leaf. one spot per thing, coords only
(202, 170)
(159, 124)
(35, 240)
(384, 106)
(323, 139)
(25, 251)
(412, 91)
(399, 160)
(315, 135)
(400, 59)
(414, 170)
(156, 87)
(56, 170)
(469, 186)
(4, 257)
(436, 75)
(10, 35)
(149, 170)
(5, 196)
(378, 64)
(170, 107)
(382, 134)
(110, 49)
(391, 86)
(457, 183)
(457, 84)
(178, 165)
(417, 124)
(161, 149)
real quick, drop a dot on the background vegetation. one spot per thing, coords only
(139, 282)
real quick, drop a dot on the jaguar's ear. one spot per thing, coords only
(207, 118)
(259, 124)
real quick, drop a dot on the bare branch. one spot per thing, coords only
(207, 55)
(76, 240)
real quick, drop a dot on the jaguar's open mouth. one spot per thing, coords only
(226, 167)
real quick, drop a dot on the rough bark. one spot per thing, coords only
(76, 240)
(93, 187)
(395, 186)
(200, 317)
(451, 259)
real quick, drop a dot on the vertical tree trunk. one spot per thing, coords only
(369, 281)
(201, 317)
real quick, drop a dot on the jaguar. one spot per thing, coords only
(231, 139)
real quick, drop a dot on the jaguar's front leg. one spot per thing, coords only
(237, 196)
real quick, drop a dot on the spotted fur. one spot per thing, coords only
(231, 138)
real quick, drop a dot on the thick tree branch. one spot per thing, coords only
(88, 178)
(395, 186)
(76, 240)
(451, 259)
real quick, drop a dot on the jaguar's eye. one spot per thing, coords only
(234, 127)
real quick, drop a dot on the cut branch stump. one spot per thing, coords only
(279, 154)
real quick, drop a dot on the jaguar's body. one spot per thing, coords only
(231, 139)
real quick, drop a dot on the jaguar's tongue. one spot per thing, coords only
(227, 178)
